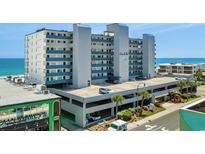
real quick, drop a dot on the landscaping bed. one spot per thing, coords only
(130, 115)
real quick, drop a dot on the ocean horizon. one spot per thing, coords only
(15, 66)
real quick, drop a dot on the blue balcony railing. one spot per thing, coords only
(58, 66)
(105, 58)
(135, 69)
(102, 40)
(135, 74)
(59, 37)
(59, 51)
(135, 53)
(59, 59)
(101, 65)
(60, 74)
(135, 58)
(58, 81)
(102, 71)
(135, 63)
(101, 52)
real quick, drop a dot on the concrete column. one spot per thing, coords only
(84, 115)
(112, 112)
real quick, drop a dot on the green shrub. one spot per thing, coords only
(138, 110)
(119, 115)
(193, 96)
(132, 110)
(145, 108)
(127, 115)
(185, 96)
(157, 104)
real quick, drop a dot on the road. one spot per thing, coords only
(169, 122)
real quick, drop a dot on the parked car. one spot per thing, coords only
(118, 125)
(92, 118)
(104, 90)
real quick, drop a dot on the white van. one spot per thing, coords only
(118, 125)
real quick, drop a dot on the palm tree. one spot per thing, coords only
(118, 100)
(198, 75)
(192, 85)
(182, 85)
(145, 95)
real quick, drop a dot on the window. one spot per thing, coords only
(56, 108)
(56, 125)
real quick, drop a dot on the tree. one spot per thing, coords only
(192, 85)
(145, 95)
(118, 100)
(182, 85)
(198, 75)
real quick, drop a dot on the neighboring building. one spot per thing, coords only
(22, 109)
(201, 67)
(178, 69)
(192, 116)
(86, 104)
(78, 58)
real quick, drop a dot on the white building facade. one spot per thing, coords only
(79, 58)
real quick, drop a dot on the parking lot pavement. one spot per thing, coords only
(169, 122)
(201, 90)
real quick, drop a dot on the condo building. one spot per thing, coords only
(178, 69)
(79, 58)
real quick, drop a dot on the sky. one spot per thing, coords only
(172, 40)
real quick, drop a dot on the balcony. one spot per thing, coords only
(135, 74)
(59, 74)
(99, 77)
(105, 58)
(135, 63)
(135, 53)
(59, 59)
(58, 81)
(59, 37)
(134, 58)
(58, 66)
(135, 69)
(59, 52)
(101, 65)
(101, 52)
(101, 40)
(102, 71)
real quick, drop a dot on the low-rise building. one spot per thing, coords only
(192, 116)
(21, 108)
(178, 69)
(87, 106)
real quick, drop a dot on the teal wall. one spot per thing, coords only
(191, 120)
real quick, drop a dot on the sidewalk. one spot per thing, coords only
(170, 107)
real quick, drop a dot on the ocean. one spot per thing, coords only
(16, 66)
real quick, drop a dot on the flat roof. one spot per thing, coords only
(177, 64)
(11, 94)
(93, 90)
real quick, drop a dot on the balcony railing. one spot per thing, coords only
(59, 52)
(58, 59)
(105, 58)
(101, 65)
(59, 74)
(58, 81)
(58, 66)
(59, 37)
(101, 52)
(102, 71)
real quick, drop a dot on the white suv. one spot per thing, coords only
(105, 90)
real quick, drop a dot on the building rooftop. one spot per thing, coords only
(11, 94)
(177, 64)
(93, 90)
